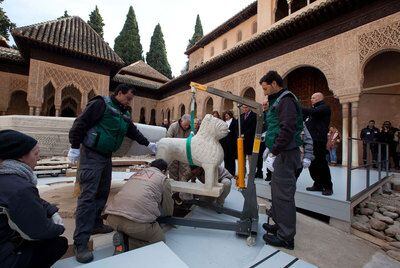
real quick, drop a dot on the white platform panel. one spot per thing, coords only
(335, 205)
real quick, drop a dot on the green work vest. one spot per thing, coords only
(107, 135)
(272, 121)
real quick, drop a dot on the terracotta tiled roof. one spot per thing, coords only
(137, 81)
(70, 35)
(231, 23)
(10, 54)
(141, 69)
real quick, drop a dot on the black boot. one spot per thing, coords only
(103, 229)
(270, 228)
(327, 192)
(315, 188)
(275, 241)
(82, 254)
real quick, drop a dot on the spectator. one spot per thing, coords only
(397, 143)
(392, 144)
(334, 140)
(370, 134)
(229, 143)
(318, 118)
(259, 172)
(180, 129)
(165, 123)
(30, 227)
(216, 114)
(386, 137)
(248, 128)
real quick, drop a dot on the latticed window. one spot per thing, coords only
(239, 36)
(254, 27)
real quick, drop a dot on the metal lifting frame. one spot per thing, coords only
(247, 225)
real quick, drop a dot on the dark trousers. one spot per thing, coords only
(230, 163)
(374, 152)
(94, 177)
(319, 169)
(259, 172)
(283, 188)
(43, 253)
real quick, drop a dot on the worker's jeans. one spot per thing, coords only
(140, 234)
(94, 175)
(283, 187)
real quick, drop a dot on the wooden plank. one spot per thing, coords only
(370, 238)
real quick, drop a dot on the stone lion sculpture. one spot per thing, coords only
(206, 150)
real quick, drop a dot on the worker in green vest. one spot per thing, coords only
(283, 139)
(95, 135)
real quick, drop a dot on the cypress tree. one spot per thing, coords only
(127, 44)
(157, 55)
(198, 33)
(96, 21)
(5, 23)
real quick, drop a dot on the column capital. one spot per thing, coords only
(349, 98)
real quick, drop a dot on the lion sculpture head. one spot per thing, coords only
(213, 127)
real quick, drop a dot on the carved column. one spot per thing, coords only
(31, 110)
(345, 130)
(57, 112)
(38, 110)
(354, 132)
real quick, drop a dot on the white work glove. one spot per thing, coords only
(270, 162)
(57, 219)
(306, 163)
(265, 154)
(153, 147)
(73, 155)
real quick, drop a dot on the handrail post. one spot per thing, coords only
(387, 160)
(368, 163)
(379, 160)
(349, 160)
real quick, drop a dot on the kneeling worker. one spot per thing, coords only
(134, 210)
(30, 227)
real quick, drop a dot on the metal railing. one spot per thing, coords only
(379, 163)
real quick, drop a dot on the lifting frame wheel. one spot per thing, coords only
(247, 225)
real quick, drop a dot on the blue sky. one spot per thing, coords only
(177, 18)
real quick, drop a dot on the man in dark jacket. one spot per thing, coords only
(229, 143)
(368, 135)
(318, 119)
(30, 227)
(283, 139)
(100, 129)
(248, 121)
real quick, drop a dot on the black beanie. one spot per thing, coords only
(14, 144)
